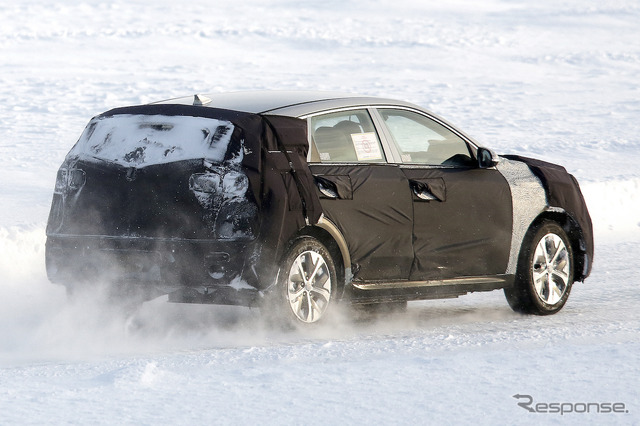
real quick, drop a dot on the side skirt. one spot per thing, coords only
(377, 292)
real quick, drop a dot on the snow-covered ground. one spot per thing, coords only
(557, 80)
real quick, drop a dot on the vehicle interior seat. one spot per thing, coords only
(334, 144)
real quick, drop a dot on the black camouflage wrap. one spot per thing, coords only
(146, 220)
(158, 224)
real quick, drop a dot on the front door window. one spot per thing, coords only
(422, 140)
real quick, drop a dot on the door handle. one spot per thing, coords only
(327, 192)
(424, 194)
(334, 186)
(429, 189)
(325, 188)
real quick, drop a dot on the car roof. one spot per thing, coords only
(288, 103)
(299, 104)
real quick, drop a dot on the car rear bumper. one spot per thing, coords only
(168, 263)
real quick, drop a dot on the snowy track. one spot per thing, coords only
(557, 81)
(440, 360)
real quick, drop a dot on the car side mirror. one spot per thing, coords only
(487, 158)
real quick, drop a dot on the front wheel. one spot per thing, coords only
(545, 271)
(306, 286)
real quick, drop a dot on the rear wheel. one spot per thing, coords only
(306, 287)
(545, 271)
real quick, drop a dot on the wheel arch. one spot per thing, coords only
(575, 235)
(330, 236)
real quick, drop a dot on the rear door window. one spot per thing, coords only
(346, 136)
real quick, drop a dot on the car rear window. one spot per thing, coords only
(142, 140)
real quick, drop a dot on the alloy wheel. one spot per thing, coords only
(309, 286)
(551, 268)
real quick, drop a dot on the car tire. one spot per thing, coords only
(305, 290)
(544, 275)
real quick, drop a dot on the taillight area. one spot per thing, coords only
(61, 181)
(69, 179)
(235, 184)
(228, 211)
(77, 178)
(208, 183)
(227, 183)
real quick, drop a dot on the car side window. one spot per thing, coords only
(346, 136)
(422, 140)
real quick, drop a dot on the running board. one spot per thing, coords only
(385, 291)
(466, 281)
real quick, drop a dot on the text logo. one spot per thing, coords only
(562, 408)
